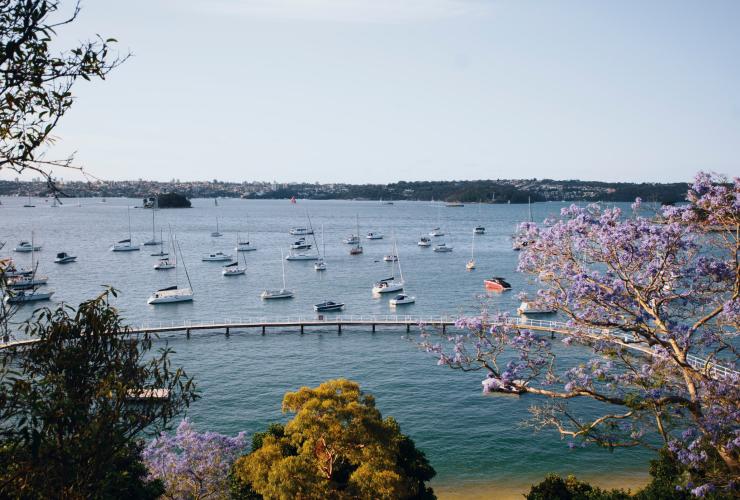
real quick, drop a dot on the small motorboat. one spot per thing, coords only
(497, 284)
(171, 295)
(320, 265)
(300, 231)
(442, 248)
(328, 306)
(374, 236)
(277, 294)
(402, 299)
(391, 258)
(164, 264)
(215, 257)
(424, 242)
(534, 307)
(124, 246)
(352, 239)
(22, 296)
(233, 269)
(300, 245)
(388, 285)
(27, 246)
(436, 232)
(64, 258)
(454, 204)
(479, 230)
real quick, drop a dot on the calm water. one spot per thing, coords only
(468, 437)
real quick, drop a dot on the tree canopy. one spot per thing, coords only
(337, 445)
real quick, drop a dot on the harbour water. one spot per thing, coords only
(476, 443)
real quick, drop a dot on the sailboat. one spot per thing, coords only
(32, 282)
(29, 204)
(357, 249)
(519, 242)
(389, 285)
(283, 293)
(244, 246)
(301, 244)
(233, 269)
(471, 263)
(437, 231)
(391, 257)
(479, 229)
(126, 245)
(153, 241)
(216, 233)
(173, 294)
(165, 263)
(161, 252)
(320, 264)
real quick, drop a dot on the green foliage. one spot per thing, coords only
(336, 446)
(172, 200)
(555, 487)
(69, 421)
(37, 82)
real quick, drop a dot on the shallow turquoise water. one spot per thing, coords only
(467, 436)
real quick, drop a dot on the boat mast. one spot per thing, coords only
(128, 212)
(358, 230)
(529, 205)
(153, 237)
(184, 266)
(282, 262)
(323, 242)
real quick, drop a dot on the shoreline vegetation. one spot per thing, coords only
(471, 191)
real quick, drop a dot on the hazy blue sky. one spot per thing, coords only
(383, 90)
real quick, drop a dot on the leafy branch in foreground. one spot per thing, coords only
(36, 82)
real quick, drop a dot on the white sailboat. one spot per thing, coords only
(357, 249)
(215, 257)
(126, 245)
(27, 287)
(301, 244)
(165, 263)
(471, 263)
(161, 252)
(216, 233)
(153, 241)
(233, 268)
(437, 231)
(283, 293)
(173, 294)
(320, 264)
(244, 246)
(389, 285)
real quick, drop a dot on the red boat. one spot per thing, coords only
(497, 284)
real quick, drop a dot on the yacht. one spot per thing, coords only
(424, 242)
(161, 252)
(27, 282)
(436, 232)
(402, 299)
(442, 248)
(283, 293)
(164, 264)
(479, 230)
(125, 245)
(64, 258)
(11, 271)
(328, 306)
(244, 245)
(357, 248)
(300, 231)
(233, 269)
(216, 233)
(22, 296)
(153, 241)
(534, 307)
(352, 239)
(471, 263)
(173, 294)
(389, 285)
(215, 257)
(320, 264)
(301, 244)
(374, 236)
(390, 258)
(301, 256)
(497, 284)
(27, 246)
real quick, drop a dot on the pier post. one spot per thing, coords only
(301, 329)
(408, 328)
(373, 327)
(552, 335)
(263, 329)
(227, 331)
(444, 328)
(339, 328)
(187, 333)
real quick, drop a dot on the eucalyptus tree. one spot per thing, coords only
(657, 302)
(37, 81)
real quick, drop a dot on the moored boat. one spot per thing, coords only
(497, 284)
(64, 258)
(402, 299)
(534, 307)
(328, 306)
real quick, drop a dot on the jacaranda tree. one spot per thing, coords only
(645, 295)
(193, 464)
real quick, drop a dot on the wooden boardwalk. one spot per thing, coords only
(301, 323)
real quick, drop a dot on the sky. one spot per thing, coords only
(385, 90)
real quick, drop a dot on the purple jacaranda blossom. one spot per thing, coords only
(192, 464)
(656, 301)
